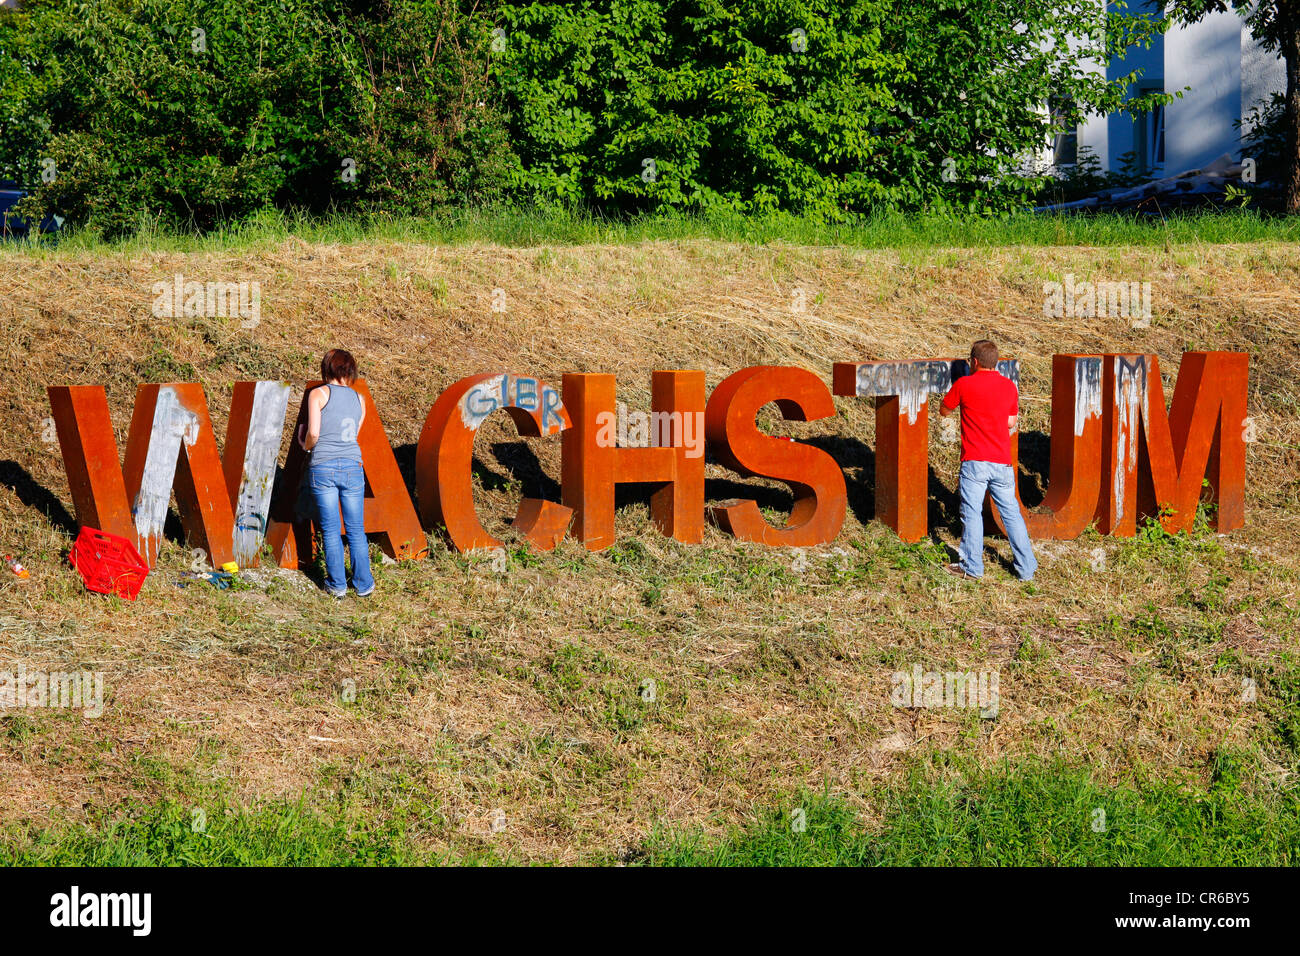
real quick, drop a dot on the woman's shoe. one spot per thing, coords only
(367, 592)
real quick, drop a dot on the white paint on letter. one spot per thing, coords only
(253, 504)
(1131, 411)
(484, 399)
(1087, 392)
(173, 424)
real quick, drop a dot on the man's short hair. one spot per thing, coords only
(986, 353)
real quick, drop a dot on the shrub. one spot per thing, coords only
(192, 112)
(813, 106)
(422, 122)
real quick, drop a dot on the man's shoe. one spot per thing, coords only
(957, 571)
(367, 592)
(337, 595)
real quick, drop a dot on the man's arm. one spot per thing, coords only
(952, 400)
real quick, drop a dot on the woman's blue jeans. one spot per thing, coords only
(978, 477)
(334, 483)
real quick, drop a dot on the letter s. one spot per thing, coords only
(820, 495)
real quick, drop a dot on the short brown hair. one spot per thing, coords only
(986, 353)
(338, 364)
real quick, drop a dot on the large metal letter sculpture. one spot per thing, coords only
(1155, 461)
(1074, 489)
(902, 391)
(1117, 455)
(170, 443)
(444, 457)
(592, 467)
(389, 512)
(820, 496)
(90, 459)
(253, 436)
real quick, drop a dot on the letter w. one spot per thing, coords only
(171, 446)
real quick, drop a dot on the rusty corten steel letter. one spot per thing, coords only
(90, 459)
(171, 442)
(592, 465)
(170, 445)
(253, 436)
(902, 391)
(444, 457)
(1156, 459)
(1125, 394)
(1074, 489)
(389, 512)
(820, 495)
(1117, 454)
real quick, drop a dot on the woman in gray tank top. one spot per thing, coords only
(338, 482)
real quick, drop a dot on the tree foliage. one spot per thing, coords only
(816, 106)
(192, 112)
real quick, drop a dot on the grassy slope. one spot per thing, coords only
(1031, 817)
(527, 228)
(521, 692)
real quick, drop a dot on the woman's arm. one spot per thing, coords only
(315, 402)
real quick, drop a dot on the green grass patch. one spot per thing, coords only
(1019, 818)
(531, 226)
(286, 834)
(1027, 817)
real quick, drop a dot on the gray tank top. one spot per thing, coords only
(338, 427)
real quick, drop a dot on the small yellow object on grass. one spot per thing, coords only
(230, 567)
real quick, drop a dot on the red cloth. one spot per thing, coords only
(987, 399)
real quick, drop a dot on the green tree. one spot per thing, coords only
(815, 106)
(195, 112)
(420, 117)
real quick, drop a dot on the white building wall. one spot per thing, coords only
(1093, 133)
(1206, 57)
(1228, 73)
(1263, 73)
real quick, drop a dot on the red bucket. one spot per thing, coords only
(108, 564)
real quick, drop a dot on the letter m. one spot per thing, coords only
(1157, 461)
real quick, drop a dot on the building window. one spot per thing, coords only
(1065, 143)
(1150, 139)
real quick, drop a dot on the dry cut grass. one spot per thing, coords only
(580, 699)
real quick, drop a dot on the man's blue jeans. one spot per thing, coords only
(334, 483)
(977, 477)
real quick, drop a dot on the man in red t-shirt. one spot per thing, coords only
(989, 404)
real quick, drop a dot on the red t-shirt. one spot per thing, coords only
(987, 399)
